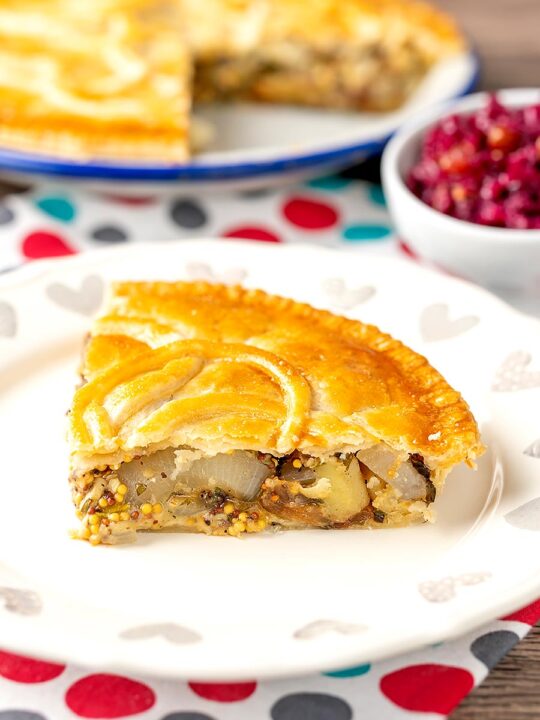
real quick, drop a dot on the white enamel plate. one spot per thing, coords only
(221, 608)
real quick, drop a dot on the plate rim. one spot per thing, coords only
(32, 268)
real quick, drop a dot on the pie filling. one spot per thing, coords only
(245, 491)
(367, 78)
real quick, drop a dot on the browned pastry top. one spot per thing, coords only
(219, 367)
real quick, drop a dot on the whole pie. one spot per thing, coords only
(228, 411)
(114, 79)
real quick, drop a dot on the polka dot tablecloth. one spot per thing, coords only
(330, 211)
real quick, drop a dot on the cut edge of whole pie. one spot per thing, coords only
(363, 55)
(226, 411)
(114, 79)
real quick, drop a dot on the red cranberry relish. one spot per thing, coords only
(484, 168)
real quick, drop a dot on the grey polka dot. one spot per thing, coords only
(493, 646)
(255, 193)
(186, 716)
(20, 715)
(311, 706)
(109, 233)
(188, 214)
(6, 215)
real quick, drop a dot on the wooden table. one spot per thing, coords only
(507, 36)
(512, 690)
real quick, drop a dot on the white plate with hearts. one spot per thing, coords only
(218, 608)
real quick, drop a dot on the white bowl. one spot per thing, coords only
(495, 257)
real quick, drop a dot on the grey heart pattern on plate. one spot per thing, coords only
(345, 297)
(533, 450)
(8, 320)
(526, 516)
(203, 271)
(173, 633)
(445, 589)
(321, 627)
(22, 602)
(514, 374)
(84, 300)
(435, 323)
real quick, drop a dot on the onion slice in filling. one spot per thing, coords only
(152, 478)
(239, 473)
(149, 478)
(403, 477)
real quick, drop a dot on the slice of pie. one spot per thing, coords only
(107, 79)
(348, 54)
(227, 411)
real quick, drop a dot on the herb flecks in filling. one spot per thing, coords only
(244, 491)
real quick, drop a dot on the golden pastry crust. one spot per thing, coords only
(221, 368)
(107, 79)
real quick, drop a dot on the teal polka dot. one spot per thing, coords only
(350, 672)
(329, 182)
(57, 206)
(363, 231)
(376, 195)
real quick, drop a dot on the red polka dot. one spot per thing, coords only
(224, 692)
(529, 614)
(427, 688)
(108, 696)
(27, 670)
(42, 244)
(251, 232)
(408, 251)
(310, 214)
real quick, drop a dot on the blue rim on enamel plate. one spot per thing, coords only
(335, 139)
